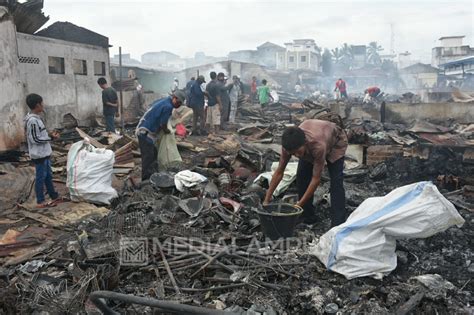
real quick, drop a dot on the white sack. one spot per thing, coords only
(288, 177)
(187, 179)
(89, 173)
(365, 244)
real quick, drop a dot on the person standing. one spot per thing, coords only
(225, 100)
(110, 104)
(152, 122)
(264, 95)
(175, 85)
(196, 102)
(253, 90)
(214, 103)
(188, 88)
(341, 88)
(39, 149)
(235, 90)
(316, 143)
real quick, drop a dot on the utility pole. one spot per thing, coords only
(122, 123)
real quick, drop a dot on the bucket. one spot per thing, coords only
(279, 220)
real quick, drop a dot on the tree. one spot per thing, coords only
(346, 55)
(373, 56)
(337, 55)
(327, 62)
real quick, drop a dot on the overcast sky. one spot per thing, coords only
(217, 27)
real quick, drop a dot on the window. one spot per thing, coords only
(32, 60)
(303, 58)
(56, 65)
(308, 46)
(79, 66)
(99, 68)
(291, 59)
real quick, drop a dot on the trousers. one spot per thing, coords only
(44, 177)
(149, 156)
(304, 175)
(199, 117)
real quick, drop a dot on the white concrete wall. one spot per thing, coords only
(63, 93)
(451, 42)
(12, 104)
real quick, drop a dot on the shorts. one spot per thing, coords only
(213, 115)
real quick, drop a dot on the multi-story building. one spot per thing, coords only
(300, 54)
(451, 49)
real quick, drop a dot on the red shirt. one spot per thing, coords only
(373, 89)
(341, 85)
(253, 87)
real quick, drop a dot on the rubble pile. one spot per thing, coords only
(196, 240)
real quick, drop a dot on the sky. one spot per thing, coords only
(217, 27)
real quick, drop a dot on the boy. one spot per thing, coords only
(264, 95)
(40, 151)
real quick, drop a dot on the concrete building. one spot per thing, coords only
(126, 59)
(419, 76)
(460, 68)
(65, 73)
(451, 49)
(300, 54)
(163, 59)
(267, 54)
(359, 54)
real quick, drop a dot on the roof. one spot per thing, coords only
(162, 52)
(446, 37)
(419, 68)
(73, 33)
(270, 45)
(461, 61)
(28, 15)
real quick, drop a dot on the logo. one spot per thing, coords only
(134, 251)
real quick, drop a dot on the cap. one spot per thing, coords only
(180, 95)
(201, 78)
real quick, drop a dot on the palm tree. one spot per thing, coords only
(373, 56)
(337, 55)
(347, 55)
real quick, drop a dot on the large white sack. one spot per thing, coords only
(89, 173)
(365, 244)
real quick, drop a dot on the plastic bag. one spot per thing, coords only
(289, 177)
(89, 173)
(365, 244)
(187, 179)
(168, 154)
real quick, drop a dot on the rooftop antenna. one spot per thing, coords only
(392, 38)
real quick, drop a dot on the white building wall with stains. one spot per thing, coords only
(25, 67)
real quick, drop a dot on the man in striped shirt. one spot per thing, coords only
(39, 149)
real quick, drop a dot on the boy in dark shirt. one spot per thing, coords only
(110, 104)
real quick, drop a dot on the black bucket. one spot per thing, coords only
(279, 220)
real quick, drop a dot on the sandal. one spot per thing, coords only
(44, 205)
(59, 200)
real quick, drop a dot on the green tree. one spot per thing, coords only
(373, 56)
(347, 55)
(326, 62)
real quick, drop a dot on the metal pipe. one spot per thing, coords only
(98, 298)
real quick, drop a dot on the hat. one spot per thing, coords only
(201, 78)
(180, 95)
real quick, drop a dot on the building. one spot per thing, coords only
(300, 54)
(419, 76)
(451, 49)
(126, 59)
(163, 59)
(64, 71)
(359, 54)
(265, 55)
(460, 68)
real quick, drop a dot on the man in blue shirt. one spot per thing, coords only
(155, 120)
(196, 102)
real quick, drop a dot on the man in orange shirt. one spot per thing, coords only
(341, 87)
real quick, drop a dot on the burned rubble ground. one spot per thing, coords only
(205, 245)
